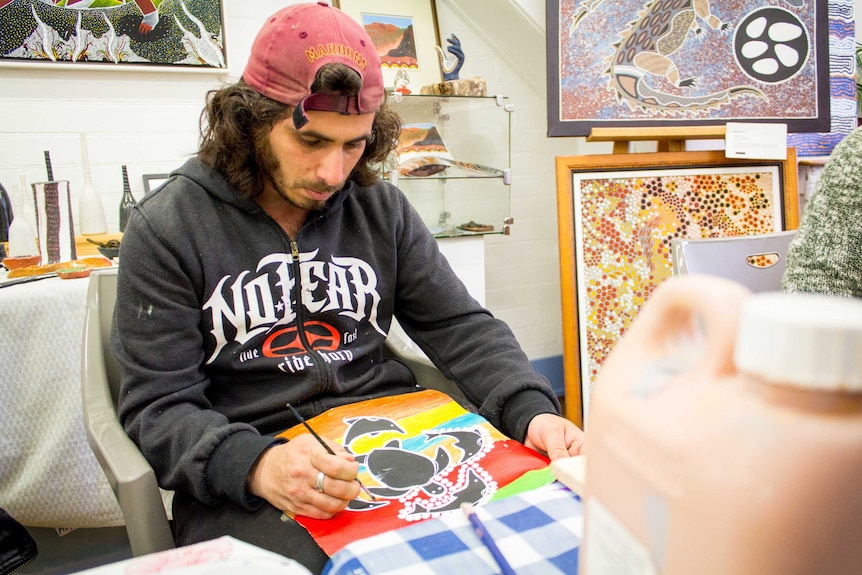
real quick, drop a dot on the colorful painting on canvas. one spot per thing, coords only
(842, 84)
(618, 215)
(628, 222)
(677, 63)
(394, 40)
(406, 37)
(113, 32)
(421, 455)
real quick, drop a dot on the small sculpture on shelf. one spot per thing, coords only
(451, 65)
(402, 81)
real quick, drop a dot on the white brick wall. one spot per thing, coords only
(522, 269)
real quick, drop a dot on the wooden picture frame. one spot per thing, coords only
(387, 22)
(617, 214)
(623, 63)
(137, 35)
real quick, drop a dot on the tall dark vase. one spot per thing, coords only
(128, 202)
(5, 214)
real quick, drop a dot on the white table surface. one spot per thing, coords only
(49, 477)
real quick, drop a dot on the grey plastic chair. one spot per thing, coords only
(130, 476)
(757, 262)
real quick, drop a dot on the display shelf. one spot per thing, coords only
(474, 186)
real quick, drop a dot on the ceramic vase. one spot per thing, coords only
(22, 236)
(91, 214)
(6, 214)
(127, 203)
(54, 221)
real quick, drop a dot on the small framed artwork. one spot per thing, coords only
(153, 181)
(618, 214)
(405, 33)
(121, 34)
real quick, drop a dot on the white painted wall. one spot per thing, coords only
(522, 274)
(149, 121)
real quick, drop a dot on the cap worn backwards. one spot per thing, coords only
(296, 42)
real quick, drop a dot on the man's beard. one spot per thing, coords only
(271, 169)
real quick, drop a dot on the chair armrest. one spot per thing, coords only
(129, 474)
(132, 480)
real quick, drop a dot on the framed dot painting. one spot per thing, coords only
(617, 216)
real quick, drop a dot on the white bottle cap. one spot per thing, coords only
(808, 340)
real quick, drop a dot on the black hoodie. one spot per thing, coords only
(213, 343)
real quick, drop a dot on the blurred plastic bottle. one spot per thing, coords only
(725, 437)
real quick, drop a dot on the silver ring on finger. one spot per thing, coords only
(320, 477)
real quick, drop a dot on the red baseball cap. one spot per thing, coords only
(296, 42)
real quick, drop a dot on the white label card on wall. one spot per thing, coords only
(756, 141)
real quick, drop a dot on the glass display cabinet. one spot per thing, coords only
(454, 162)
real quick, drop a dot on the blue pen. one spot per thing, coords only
(486, 539)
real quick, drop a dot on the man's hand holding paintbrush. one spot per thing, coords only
(308, 475)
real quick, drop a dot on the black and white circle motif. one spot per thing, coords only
(771, 45)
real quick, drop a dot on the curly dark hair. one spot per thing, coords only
(237, 118)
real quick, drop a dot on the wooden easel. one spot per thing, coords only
(670, 139)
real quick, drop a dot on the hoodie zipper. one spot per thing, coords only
(328, 376)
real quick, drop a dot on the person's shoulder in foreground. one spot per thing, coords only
(825, 255)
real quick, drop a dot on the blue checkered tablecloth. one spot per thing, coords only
(539, 533)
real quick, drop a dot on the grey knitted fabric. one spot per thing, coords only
(825, 256)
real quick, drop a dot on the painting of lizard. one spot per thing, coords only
(687, 62)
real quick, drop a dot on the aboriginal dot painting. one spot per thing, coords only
(420, 455)
(681, 63)
(624, 228)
